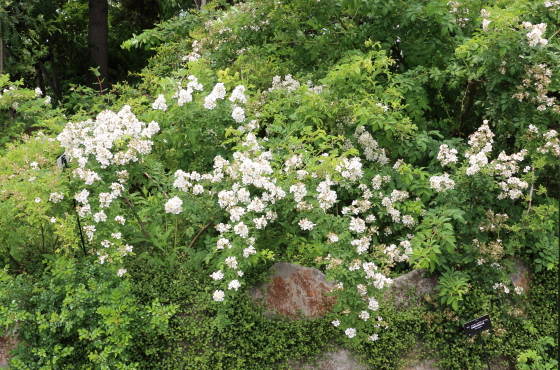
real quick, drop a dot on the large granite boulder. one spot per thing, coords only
(294, 290)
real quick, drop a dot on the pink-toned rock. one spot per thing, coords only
(6, 344)
(294, 290)
(521, 278)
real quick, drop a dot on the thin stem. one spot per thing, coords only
(530, 199)
(54, 244)
(200, 233)
(137, 217)
(176, 225)
(151, 178)
(43, 238)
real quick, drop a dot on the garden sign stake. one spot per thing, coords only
(477, 326)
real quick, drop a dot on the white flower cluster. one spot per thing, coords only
(350, 169)
(159, 103)
(238, 94)
(370, 146)
(219, 92)
(447, 155)
(193, 56)
(552, 144)
(238, 114)
(56, 197)
(174, 206)
(325, 196)
(395, 253)
(442, 183)
(185, 95)
(305, 224)
(350, 332)
(480, 144)
(538, 78)
(553, 5)
(98, 138)
(534, 36)
(299, 191)
(501, 285)
(289, 84)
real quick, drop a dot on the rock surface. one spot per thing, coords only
(414, 283)
(6, 344)
(522, 277)
(341, 359)
(294, 290)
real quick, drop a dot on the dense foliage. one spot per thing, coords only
(362, 138)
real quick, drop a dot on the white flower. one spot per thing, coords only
(173, 206)
(332, 237)
(222, 228)
(198, 189)
(373, 338)
(518, 290)
(248, 251)
(218, 275)
(373, 304)
(241, 229)
(37, 200)
(219, 92)
(260, 223)
(238, 114)
(38, 92)
(357, 225)
(47, 100)
(231, 262)
(305, 224)
(350, 332)
(442, 183)
(218, 295)
(121, 272)
(100, 217)
(53, 219)
(82, 196)
(364, 315)
(336, 323)
(116, 235)
(102, 258)
(447, 155)
(237, 94)
(299, 191)
(120, 219)
(234, 284)
(159, 103)
(221, 243)
(56, 197)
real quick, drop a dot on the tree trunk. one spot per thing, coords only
(98, 34)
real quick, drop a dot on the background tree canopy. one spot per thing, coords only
(363, 138)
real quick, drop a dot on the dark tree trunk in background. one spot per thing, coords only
(98, 34)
